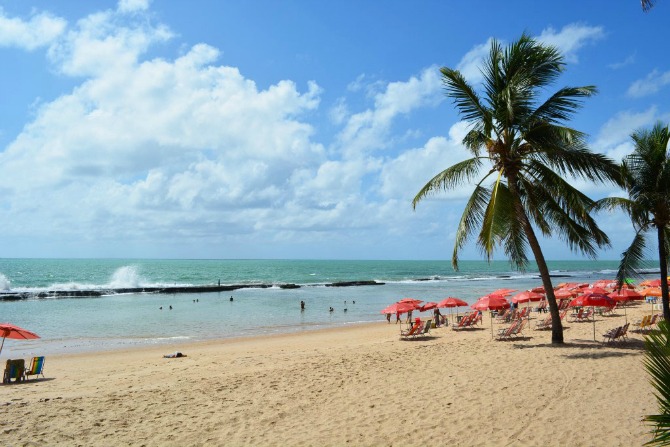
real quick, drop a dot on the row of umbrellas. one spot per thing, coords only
(581, 295)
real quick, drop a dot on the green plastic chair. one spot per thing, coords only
(14, 370)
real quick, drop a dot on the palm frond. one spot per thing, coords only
(464, 96)
(451, 177)
(657, 364)
(632, 258)
(496, 218)
(647, 4)
(472, 216)
(562, 105)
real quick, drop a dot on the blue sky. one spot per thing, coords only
(292, 129)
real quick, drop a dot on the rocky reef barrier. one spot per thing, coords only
(15, 296)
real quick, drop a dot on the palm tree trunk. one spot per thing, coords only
(556, 324)
(663, 256)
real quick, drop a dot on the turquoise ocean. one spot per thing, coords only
(114, 320)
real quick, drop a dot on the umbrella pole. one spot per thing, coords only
(491, 319)
(3, 344)
(594, 324)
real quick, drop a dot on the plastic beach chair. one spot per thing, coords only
(36, 367)
(14, 370)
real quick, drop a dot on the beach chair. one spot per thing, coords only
(612, 334)
(519, 328)
(502, 316)
(544, 324)
(584, 316)
(416, 327)
(14, 370)
(507, 332)
(623, 333)
(36, 367)
(464, 322)
(576, 316)
(426, 329)
(642, 325)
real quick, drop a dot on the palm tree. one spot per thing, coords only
(657, 363)
(532, 154)
(646, 173)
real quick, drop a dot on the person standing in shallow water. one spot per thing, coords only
(302, 305)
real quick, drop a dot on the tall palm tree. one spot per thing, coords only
(646, 173)
(517, 136)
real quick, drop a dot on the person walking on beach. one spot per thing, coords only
(436, 316)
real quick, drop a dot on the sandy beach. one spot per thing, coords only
(361, 385)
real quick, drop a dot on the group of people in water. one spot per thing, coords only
(330, 309)
(197, 300)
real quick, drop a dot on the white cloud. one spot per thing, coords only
(651, 84)
(571, 38)
(133, 5)
(406, 174)
(614, 135)
(470, 64)
(628, 61)
(39, 31)
(368, 131)
(98, 45)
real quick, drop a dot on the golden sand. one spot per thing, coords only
(355, 386)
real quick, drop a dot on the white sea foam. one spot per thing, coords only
(126, 277)
(5, 283)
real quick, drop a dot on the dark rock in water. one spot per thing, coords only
(13, 296)
(560, 276)
(355, 283)
(289, 286)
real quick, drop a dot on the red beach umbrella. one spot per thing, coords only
(410, 300)
(527, 296)
(491, 302)
(10, 331)
(624, 295)
(503, 292)
(428, 306)
(564, 293)
(596, 290)
(593, 300)
(452, 302)
(539, 289)
(399, 308)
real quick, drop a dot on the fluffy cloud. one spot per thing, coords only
(191, 150)
(651, 84)
(571, 38)
(368, 131)
(39, 31)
